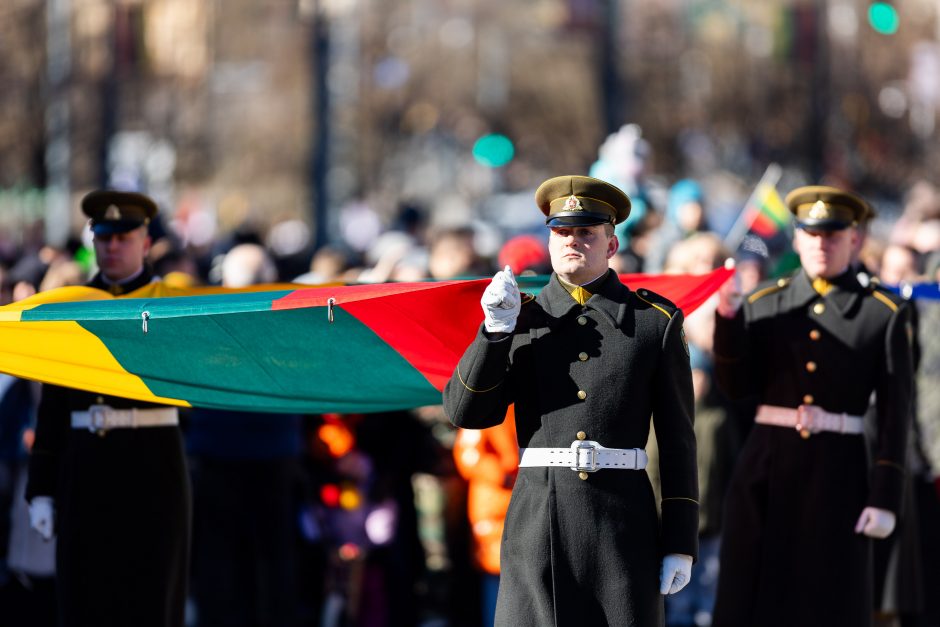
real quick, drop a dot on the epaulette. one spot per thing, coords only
(885, 296)
(770, 289)
(664, 305)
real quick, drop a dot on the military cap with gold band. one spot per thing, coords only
(114, 211)
(581, 201)
(825, 208)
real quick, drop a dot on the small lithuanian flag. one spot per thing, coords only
(768, 214)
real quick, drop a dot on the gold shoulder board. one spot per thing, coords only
(782, 283)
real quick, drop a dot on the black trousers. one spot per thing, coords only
(244, 572)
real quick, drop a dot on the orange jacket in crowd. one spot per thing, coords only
(488, 459)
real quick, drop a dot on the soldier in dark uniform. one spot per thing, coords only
(586, 363)
(108, 474)
(804, 500)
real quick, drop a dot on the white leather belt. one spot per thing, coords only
(103, 417)
(584, 456)
(808, 419)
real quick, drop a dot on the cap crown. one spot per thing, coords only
(827, 208)
(573, 200)
(113, 211)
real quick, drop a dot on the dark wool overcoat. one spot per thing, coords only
(790, 555)
(123, 508)
(587, 552)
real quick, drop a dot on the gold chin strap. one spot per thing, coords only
(822, 286)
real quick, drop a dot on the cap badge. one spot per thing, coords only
(819, 211)
(573, 204)
(112, 213)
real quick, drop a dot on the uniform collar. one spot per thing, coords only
(609, 298)
(144, 277)
(845, 291)
(581, 293)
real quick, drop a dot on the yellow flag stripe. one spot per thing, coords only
(63, 353)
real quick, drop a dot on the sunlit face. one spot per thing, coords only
(898, 264)
(121, 255)
(825, 254)
(580, 253)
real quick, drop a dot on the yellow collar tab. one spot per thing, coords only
(822, 286)
(577, 292)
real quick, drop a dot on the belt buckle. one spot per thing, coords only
(806, 420)
(98, 419)
(584, 446)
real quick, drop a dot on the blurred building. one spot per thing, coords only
(260, 111)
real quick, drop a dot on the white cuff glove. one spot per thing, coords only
(729, 294)
(876, 522)
(41, 512)
(675, 573)
(501, 302)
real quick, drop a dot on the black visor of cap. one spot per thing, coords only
(109, 227)
(579, 218)
(825, 225)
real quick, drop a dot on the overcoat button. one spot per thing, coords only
(582, 394)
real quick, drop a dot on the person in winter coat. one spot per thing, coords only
(587, 363)
(108, 475)
(804, 501)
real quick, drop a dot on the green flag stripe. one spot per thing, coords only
(166, 307)
(272, 360)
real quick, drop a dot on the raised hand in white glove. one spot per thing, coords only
(501, 302)
(876, 522)
(729, 294)
(676, 573)
(41, 512)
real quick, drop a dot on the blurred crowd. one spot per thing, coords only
(395, 518)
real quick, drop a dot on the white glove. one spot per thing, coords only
(501, 302)
(729, 294)
(675, 573)
(41, 513)
(876, 522)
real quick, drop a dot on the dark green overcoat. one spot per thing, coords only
(587, 552)
(790, 554)
(123, 508)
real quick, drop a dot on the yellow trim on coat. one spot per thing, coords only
(460, 376)
(764, 292)
(890, 464)
(665, 313)
(887, 301)
(678, 498)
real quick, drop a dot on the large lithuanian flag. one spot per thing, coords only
(281, 348)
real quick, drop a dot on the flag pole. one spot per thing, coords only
(746, 218)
